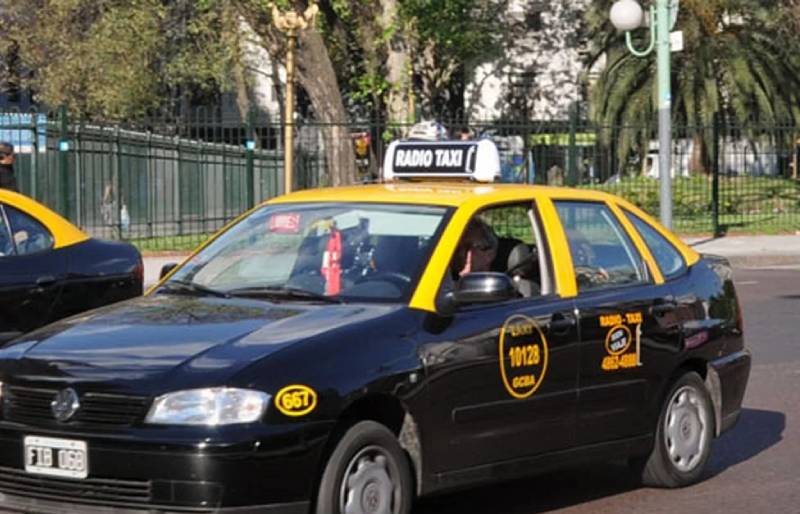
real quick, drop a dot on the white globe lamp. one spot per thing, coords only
(627, 15)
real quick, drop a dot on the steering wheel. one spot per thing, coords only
(393, 277)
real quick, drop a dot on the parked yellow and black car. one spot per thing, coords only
(50, 269)
(346, 350)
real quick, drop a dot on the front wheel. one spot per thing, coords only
(683, 436)
(367, 473)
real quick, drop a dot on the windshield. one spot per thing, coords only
(347, 251)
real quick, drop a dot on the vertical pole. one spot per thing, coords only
(288, 155)
(34, 151)
(118, 185)
(250, 146)
(79, 181)
(63, 163)
(412, 101)
(715, 178)
(572, 155)
(664, 110)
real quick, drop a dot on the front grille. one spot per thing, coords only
(92, 490)
(31, 406)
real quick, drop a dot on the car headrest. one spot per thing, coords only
(522, 261)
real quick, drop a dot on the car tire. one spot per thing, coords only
(367, 473)
(683, 436)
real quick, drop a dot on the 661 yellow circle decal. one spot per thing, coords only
(296, 400)
(523, 356)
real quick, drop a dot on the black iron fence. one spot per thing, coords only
(167, 184)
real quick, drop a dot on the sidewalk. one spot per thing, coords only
(742, 251)
(753, 251)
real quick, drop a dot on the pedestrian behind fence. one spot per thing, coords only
(7, 178)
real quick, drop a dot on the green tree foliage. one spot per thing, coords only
(442, 39)
(740, 62)
(449, 38)
(117, 59)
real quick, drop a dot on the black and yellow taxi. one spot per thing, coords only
(50, 269)
(347, 350)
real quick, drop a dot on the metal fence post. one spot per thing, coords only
(79, 180)
(118, 186)
(250, 146)
(63, 163)
(572, 152)
(34, 152)
(715, 176)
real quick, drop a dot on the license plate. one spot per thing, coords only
(56, 457)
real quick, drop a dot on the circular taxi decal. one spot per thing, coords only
(296, 400)
(523, 356)
(618, 340)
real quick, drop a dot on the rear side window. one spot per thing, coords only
(6, 244)
(29, 235)
(667, 256)
(602, 253)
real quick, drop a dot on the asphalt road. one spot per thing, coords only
(754, 467)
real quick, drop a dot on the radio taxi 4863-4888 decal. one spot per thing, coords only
(347, 350)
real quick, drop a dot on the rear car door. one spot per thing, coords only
(621, 303)
(31, 274)
(502, 377)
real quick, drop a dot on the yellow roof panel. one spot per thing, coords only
(435, 193)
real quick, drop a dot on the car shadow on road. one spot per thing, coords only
(756, 431)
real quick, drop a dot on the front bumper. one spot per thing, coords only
(240, 473)
(42, 506)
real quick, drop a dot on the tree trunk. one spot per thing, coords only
(316, 75)
(397, 62)
(698, 164)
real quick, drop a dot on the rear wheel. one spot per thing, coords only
(683, 436)
(367, 473)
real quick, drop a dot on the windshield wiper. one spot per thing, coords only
(293, 293)
(186, 286)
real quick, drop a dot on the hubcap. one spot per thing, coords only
(367, 485)
(685, 428)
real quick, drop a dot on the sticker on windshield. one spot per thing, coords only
(296, 400)
(285, 223)
(623, 340)
(523, 356)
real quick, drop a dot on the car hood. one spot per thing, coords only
(163, 338)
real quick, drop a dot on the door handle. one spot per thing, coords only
(45, 281)
(562, 324)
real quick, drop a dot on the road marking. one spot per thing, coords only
(746, 282)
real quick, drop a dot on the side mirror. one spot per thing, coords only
(166, 268)
(488, 287)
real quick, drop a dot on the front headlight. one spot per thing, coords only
(212, 407)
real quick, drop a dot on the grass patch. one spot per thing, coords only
(757, 205)
(184, 243)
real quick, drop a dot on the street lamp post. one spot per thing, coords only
(290, 23)
(628, 15)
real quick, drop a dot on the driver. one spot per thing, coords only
(476, 250)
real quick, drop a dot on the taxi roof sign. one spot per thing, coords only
(466, 160)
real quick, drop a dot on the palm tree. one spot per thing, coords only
(740, 63)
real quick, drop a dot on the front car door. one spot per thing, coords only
(621, 301)
(501, 378)
(31, 274)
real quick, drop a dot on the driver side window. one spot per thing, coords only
(503, 239)
(27, 235)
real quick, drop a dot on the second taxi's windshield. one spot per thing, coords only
(345, 251)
